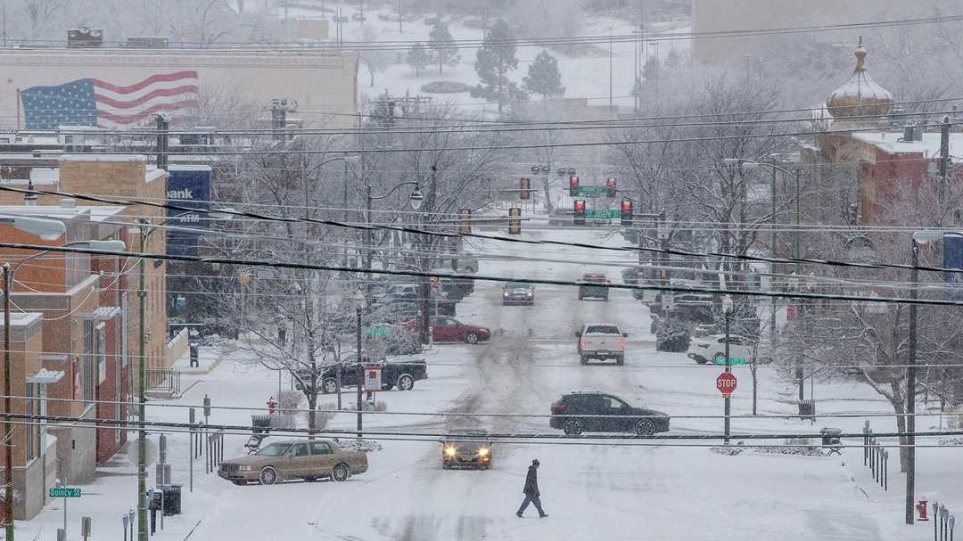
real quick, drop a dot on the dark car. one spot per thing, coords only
(593, 285)
(598, 412)
(518, 293)
(467, 447)
(449, 329)
(402, 374)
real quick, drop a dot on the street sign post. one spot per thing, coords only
(372, 379)
(726, 383)
(64, 492)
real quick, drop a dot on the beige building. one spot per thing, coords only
(715, 16)
(125, 87)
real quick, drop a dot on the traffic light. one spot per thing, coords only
(525, 185)
(514, 221)
(610, 185)
(573, 186)
(626, 212)
(580, 212)
(464, 222)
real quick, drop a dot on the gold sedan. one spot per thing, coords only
(284, 460)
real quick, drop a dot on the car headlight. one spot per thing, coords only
(451, 451)
(530, 293)
(245, 468)
(483, 452)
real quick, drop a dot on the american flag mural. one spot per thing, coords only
(94, 102)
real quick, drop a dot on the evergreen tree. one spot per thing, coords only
(443, 46)
(418, 58)
(495, 59)
(543, 76)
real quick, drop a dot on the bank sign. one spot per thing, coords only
(187, 186)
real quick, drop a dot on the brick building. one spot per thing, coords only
(85, 312)
(34, 464)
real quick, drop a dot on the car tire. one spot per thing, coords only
(310, 479)
(701, 360)
(268, 476)
(471, 338)
(584, 360)
(620, 360)
(572, 427)
(387, 387)
(329, 385)
(644, 427)
(341, 472)
(445, 465)
(406, 382)
(719, 359)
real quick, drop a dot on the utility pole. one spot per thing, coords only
(610, 68)
(401, 30)
(911, 387)
(360, 370)
(7, 393)
(163, 140)
(142, 390)
(772, 252)
(944, 165)
(426, 253)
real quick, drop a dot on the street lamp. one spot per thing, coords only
(359, 299)
(919, 238)
(415, 199)
(727, 310)
(746, 166)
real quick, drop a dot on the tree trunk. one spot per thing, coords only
(752, 369)
(312, 412)
(899, 406)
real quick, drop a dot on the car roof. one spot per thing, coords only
(469, 432)
(289, 442)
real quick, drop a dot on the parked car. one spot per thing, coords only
(402, 374)
(397, 292)
(467, 447)
(594, 285)
(575, 413)
(448, 329)
(712, 349)
(601, 341)
(297, 459)
(518, 293)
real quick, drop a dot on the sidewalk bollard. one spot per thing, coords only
(885, 469)
(951, 526)
(130, 515)
(124, 521)
(85, 527)
(207, 409)
(61, 534)
(866, 432)
(936, 523)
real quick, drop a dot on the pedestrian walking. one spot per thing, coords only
(272, 405)
(531, 492)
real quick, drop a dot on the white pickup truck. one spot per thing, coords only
(601, 341)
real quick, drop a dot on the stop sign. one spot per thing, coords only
(726, 383)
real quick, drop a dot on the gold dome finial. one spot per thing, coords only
(860, 98)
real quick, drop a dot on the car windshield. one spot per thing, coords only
(274, 449)
(517, 285)
(602, 329)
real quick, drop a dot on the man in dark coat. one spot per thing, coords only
(531, 492)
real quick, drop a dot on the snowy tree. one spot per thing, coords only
(418, 58)
(495, 59)
(443, 47)
(543, 76)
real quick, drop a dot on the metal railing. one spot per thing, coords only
(164, 379)
(876, 457)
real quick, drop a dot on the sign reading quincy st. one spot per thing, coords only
(64, 492)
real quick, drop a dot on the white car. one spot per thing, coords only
(712, 349)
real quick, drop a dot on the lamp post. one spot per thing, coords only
(414, 199)
(745, 165)
(359, 299)
(919, 237)
(727, 310)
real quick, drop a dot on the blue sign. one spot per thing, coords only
(953, 258)
(187, 186)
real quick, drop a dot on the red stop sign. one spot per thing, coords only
(726, 383)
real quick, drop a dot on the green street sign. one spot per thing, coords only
(603, 214)
(733, 361)
(592, 191)
(65, 492)
(373, 332)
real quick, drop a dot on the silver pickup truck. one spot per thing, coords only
(601, 341)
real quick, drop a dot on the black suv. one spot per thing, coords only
(597, 412)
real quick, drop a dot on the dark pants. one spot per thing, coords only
(533, 500)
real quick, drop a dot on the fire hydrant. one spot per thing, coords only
(272, 405)
(921, 509)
